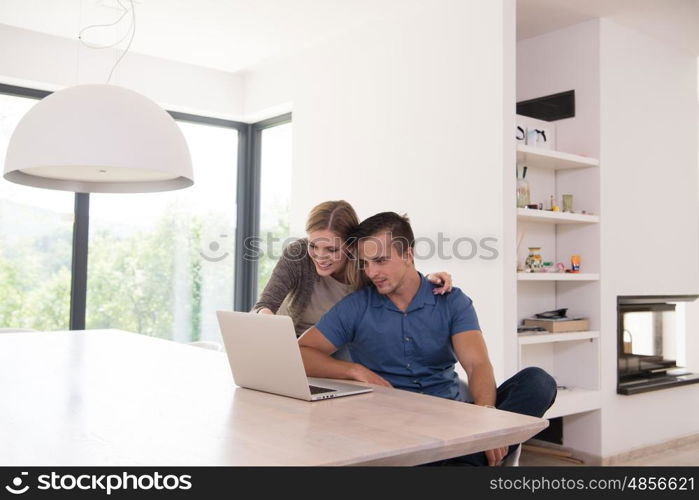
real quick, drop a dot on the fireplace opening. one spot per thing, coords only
(650, 343)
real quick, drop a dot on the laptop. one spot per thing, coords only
(264, 355)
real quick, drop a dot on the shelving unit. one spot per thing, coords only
(529, 215)
(572, 358)
(557, 276)
(552, 160)
(545, 338)
(574, 400)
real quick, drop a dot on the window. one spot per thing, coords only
(162, 263)
(35, 243)
(275, 196)
(157, 263)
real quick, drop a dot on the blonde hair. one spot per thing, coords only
(336, 216)
(339, 217)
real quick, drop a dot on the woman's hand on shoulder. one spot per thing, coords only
(264, 310)
(441, 278)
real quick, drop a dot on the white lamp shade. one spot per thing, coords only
(98, 139)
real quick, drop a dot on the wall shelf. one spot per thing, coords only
(545, 338)
(557, 276)
(553, 160)
(529, 215)
(574, 400)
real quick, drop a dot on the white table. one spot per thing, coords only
(107, 397)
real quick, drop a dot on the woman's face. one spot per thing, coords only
(326, 251)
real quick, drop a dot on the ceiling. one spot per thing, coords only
(224, 34)
(675, 22)
(232, 35)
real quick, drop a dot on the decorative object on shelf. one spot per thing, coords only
(555, 314)
(560, 267)
(567, 202)
(553, 205)
(521, 133)
(537, 133)
(575, 264)
(557, 321)
(547, 267)
(522, 189)
(538, 137)
(534, 261)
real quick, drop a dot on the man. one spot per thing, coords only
(402, 335)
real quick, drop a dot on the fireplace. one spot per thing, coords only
(648, 343)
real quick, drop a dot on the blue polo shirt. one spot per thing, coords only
(411, 349)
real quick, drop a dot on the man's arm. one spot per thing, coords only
(316, 353)
(472, 353)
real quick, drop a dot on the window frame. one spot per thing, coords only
(247, 216)
(256, 168)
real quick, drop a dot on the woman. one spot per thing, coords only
(315, 273)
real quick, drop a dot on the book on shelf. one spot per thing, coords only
(559, 325)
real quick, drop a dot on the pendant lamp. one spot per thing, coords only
(98, 138)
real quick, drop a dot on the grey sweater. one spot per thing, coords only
(294, 275)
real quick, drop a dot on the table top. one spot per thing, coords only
(107, 397)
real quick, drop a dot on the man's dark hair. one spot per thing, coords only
(387, 222)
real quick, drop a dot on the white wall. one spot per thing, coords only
(650, 229)
(413, 115)
(49, 62)
(563, 60)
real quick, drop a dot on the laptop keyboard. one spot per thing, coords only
(319, 390)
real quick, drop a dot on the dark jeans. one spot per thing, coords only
(531, 391)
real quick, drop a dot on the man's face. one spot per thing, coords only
(383, 263)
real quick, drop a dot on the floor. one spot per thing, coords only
(685, 455)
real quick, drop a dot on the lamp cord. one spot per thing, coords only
(131, 32)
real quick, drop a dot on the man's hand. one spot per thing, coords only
(315, 353)
(364, 374)
(496, 455)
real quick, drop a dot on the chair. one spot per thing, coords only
(207, 344)
(512, 460)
